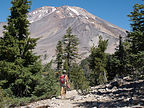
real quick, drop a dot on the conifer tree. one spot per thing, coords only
(78, 78)
(129, 57)
(98, 62)
(70, 48)
(59, 54)
(137, 17)
(85, 66)
(120, 51)
(48, 83)
(120, 55)
(65, 65)
(136, 40)
(19, 67)
(136, 37)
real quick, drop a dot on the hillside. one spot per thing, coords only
(51, 23)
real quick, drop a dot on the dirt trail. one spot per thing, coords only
(128, 95)
(69, 102)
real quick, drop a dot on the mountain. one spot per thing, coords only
(51, 23)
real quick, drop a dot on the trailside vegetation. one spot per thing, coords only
(97, 63)
(59, 58)
(77, 76)
(128, 59)
(70, 43)
(129, 56)
(21, 77)
(19, 68)
(136, 40)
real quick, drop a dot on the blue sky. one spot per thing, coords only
(113, 11)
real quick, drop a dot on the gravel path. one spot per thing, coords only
(129, 95)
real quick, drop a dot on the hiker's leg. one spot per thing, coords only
(65, 92)
(61, 92)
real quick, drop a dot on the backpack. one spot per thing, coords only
(62, 79)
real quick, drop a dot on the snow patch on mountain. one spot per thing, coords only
(71, 14)
(40, 13)
(73, 10)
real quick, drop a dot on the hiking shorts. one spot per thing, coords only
(62, 84)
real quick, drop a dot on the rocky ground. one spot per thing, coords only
(124, 93)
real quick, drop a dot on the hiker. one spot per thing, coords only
(63, 83)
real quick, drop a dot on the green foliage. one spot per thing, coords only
(4, 99)
(70, 48)
(112, 67)
(128, 58)
(136, 40)
(78, 78)
(98, 62)
(85, 66)
(65, 66)
(47, 86)
(137, 17)
(19, 68)
(136, 37)
(47, 67)
(59, 54)
(119, 60)
(137, 64)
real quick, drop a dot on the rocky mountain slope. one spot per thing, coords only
(51, 23)
(128, 94)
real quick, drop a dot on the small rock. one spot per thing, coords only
(53, 98)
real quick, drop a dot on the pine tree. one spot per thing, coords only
(118, 63)
(98, 62)
(137, 17)
(85, 66)
(65, 66)
(59, 54)
(120, 56)
(120, 51)
(112, 66)
(48, 83)
(70, 48)
(136, 37)
(78, 78)
(136, 40)
(19, 67)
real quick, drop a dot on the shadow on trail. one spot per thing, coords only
(127, 95)
(111, 104)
